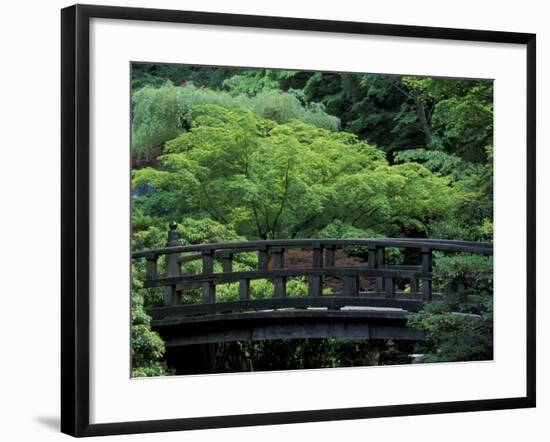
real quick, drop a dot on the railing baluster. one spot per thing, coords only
(263, 258)
(315, 288)
(278, 257)
(317, 255)
(372, 260)
(389, 287)
(151, 270)
(330, 255)
(350, 286)
(427, 268)
(380, 261)
(172, 269)
(279, 282)
(244, 289)
(227, 261)
(330, 261)
(208, 288)
(171, 296)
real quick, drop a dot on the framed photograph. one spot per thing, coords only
(272, 220)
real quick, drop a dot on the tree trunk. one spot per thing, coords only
(423, 119)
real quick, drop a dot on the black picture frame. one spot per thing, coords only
(75, 212)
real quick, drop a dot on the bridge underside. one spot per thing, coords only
(356, 323)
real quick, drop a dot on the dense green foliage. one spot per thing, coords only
(236, 154)
(272, 180)
(460, 327)
(161, 113)
(147, 346)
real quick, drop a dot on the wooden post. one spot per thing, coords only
(427, 268)
(372, 260)
(227, 262)
(279, 282)
(171, 297)
(317, 255)
(315, 287)
(380, 262)
(244, 289)
(208, 287)
(263, 258)
(330, 261)
(389, 287)
(151, 270)
(350, 286)
(330, 255)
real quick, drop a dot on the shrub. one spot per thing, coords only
(460, 327)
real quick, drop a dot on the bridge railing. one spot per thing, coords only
(271, 266)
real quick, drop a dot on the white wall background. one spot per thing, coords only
(29, 189)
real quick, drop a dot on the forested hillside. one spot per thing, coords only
(236, 154)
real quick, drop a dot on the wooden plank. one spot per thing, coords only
(189, 258)
(401, 267)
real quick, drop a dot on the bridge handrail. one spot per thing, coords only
(237, 247)
(323, 265)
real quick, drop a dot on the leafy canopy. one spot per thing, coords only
(272, 180)
(160, 113)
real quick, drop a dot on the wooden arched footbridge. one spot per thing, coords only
(367, 301)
